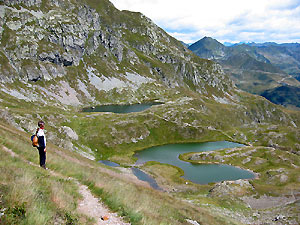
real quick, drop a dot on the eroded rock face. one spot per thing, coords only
(56, 36)
(66, 59)
(80, 53)
(25, 2)
(45, 36)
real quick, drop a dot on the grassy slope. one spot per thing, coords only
(112, 135)
(31, 195)
(29, 188)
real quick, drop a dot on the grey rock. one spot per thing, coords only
(246, 160)
(279, 217)
(45, 73)
(28, 3)
(7, 116)
(33, 74)
(260, 161)
(80, 32)
(283, 178)
(193, 222)
(65, 59)
(71, 134)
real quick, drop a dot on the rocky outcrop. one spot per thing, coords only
(70, 134)
(56, 58)
(54, 36)
(28, 3)
(43, 41)
(228, 188)
(86, 52)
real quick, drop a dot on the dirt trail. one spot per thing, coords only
(93, 208)
(89, 205)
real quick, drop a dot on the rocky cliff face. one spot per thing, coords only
(97, 48)
(58, 55)
(69, 53)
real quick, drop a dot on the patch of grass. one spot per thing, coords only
(166, 175)
(14, 214)
(27, 194)
(30, 194)
(138, 204)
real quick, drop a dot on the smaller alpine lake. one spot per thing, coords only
(121, 108)
(197, 173)
(137, 172)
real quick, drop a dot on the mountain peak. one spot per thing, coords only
(208, 38)
(208, 48)
(207, 41)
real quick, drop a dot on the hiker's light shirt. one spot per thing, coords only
(42, 138)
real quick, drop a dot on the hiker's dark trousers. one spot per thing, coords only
(42, 156)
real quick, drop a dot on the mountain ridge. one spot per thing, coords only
(256, 50)
(58, 57)
(255, 67)
(118, 47)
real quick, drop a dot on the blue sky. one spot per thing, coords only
(227, 21)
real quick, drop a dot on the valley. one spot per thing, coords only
(59, 57)
(257, 68)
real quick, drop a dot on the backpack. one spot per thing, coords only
(34, 140)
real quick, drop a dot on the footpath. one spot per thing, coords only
(88, 205)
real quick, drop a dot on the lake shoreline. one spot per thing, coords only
(208, 173)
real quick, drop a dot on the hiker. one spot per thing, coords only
(41, 143)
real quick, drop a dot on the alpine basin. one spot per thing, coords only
(197, 173)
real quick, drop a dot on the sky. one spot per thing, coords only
(225, 20)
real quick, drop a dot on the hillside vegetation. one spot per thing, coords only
(30, 195)
(58, 57)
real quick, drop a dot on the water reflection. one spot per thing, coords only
(197, 173)
(121, 108)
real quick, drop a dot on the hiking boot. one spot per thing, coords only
(44, 167)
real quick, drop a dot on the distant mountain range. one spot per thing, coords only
(257, 67)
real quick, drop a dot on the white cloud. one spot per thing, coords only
(231, 20)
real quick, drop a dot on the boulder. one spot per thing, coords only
(71, 134)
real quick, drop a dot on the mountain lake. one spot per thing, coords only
(197, 173)
(137, 172)
(121, 108)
